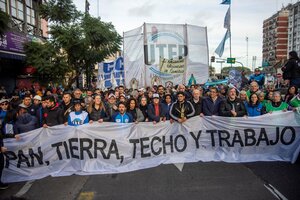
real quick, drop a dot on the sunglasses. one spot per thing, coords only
(4, 104)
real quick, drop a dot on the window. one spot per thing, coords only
(29, 3)
(30, 12)
(17, 9)
(3, 5)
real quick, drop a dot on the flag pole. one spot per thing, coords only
(230, 34)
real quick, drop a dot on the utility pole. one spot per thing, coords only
(247, 39)
(98, 8)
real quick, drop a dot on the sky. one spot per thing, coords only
(247, 18)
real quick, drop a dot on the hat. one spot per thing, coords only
(22, 105)
(111, 95)
(37, 97)
(77, 101)
(155, 96)
(122, 95)
(141, 90)
(4, 100)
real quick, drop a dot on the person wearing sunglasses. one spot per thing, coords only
(4, 105)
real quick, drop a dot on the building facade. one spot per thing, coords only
(275, 37)
(25, 25)
(294, 29)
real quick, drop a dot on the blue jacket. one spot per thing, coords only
(260, 79)
(255, 110)
(125, 118)
(26, 122)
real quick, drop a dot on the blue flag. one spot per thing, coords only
(226, 2)
(227, 19)
(220, 49)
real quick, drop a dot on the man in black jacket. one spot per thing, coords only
(181, 110)
(66, 106)
(197, 102)
(53, 115)
(232, 106)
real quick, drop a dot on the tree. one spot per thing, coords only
(78, 41)
(4, 23)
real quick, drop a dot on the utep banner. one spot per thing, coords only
(114, 148)
(184, 47)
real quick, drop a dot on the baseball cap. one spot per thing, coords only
(77, 101)
(155, 96)
(22, 105)
(111, 95)
(4, 100)
(37, 97)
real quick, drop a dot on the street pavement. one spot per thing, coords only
(202, 180)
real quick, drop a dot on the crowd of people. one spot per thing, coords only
(27, 110)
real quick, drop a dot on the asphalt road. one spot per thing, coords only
(207, 181)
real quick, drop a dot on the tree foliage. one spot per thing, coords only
(78, 41)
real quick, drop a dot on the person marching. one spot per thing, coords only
(181, 110)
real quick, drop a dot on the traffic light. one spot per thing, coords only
(212, 59)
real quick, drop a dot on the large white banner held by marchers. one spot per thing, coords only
(113, 148)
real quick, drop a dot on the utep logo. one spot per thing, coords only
(168, 45)
(77, 121)
(115, 68)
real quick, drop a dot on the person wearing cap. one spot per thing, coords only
(122, 98)
(37, 105)
(111, 106)
(25, 122)
(257, 77)
(67, 106)
(122, 116)
(97, 111)
(181, 109)
(156, 110)
(53, 114)
(78, 116)
(4, 105)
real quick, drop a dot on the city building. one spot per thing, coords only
(275, 38)
(25, 25)
(294, 29)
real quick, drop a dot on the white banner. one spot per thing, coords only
(145, 46)
(114, 148)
